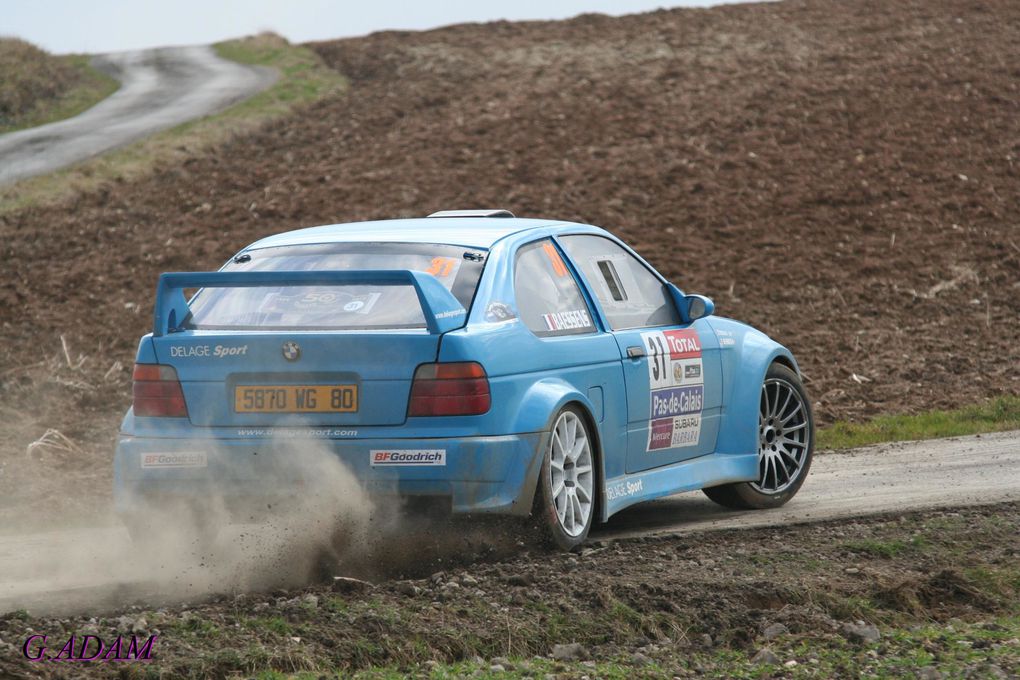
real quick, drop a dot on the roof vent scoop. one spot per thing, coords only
(472, 213)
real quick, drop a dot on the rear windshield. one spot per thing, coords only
(336, 307)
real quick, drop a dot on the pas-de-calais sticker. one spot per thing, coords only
(677, 388)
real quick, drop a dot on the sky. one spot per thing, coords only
(63, 26)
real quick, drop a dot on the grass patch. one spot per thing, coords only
(38, 88)
(516, 668)
(273, 624)
(196, 626)
(303, 79)
(958, 650)
(997, 415)
(961, 650)
(91, 88)
(996, 583)
(887, 549)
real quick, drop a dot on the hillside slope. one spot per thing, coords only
(843, 175)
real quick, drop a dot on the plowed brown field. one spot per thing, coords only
(842, 175)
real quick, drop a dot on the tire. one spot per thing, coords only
(566, 498)
(786, 439)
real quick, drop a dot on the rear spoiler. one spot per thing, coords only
(442, 311)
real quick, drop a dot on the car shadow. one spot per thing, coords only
(682, 512)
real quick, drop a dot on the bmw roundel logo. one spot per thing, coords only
(291, 351)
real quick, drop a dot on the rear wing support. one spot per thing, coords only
(442, 311)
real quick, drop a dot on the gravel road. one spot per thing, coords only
(957, 472)
(160, 88)
(72, 568)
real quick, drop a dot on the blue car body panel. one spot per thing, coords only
(492, 461)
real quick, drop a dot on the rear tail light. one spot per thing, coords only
(454, 389)
(157, 392)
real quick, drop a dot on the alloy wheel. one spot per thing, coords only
(573, 478)
(783, 436)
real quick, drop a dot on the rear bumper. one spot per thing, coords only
(477, 474)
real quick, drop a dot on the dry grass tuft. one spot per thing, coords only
(37, 87)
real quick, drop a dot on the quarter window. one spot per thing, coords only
(548, 298)
(630, 294)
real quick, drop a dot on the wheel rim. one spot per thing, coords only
(783, 436)
(572, 479)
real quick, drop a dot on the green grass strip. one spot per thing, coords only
(996, 415)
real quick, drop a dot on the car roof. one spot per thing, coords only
(472, 232)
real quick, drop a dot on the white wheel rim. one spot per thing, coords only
(572, 478)
(783, 436)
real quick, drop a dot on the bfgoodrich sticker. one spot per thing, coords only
(399, 457)
(177, 459)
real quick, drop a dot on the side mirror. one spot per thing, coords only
(691, 307)
(698, 306)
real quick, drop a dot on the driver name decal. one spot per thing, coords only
(561, 321)
(676, 388)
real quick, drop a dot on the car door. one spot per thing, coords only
(672, 370)
(552, 305)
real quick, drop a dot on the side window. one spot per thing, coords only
(630, 295)
(548, 298)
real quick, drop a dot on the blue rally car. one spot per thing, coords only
(499, 365)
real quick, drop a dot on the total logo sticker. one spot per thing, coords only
(406, 457)
(676, 386)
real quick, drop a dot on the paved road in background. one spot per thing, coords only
(160, 88)
(75, 569)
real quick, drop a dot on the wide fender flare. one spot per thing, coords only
(538, 407)
(754, 353)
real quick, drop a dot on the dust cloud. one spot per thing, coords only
(189, 547)
(62, 550)
(324, 524)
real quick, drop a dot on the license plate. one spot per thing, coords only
(296, 399)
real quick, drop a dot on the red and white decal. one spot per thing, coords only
(674, 361)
